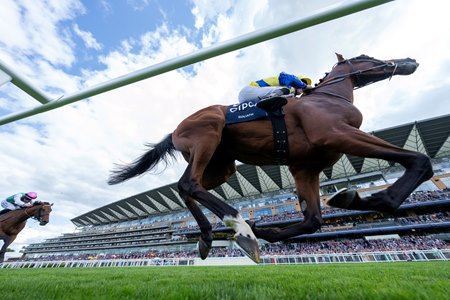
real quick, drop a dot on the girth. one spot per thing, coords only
(280, 137)
(271, 109)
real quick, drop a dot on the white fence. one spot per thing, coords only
(364, 257)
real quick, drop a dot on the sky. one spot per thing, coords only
(61, 47)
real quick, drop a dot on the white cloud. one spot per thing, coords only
(138, 5)
(106, 7)
(205, 10)
(66, 154)
(34, 29)
(87, 37)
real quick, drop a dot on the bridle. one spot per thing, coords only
(357, 75)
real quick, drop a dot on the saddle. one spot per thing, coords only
(272, 103)
(271, 109)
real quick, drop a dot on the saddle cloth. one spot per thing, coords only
(244, 112)
(248, 111)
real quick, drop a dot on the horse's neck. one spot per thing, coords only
(341, 88)
(26, 213)
(15, 217)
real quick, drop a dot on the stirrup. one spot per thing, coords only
(272, 103)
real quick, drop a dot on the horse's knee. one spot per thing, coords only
(421, 164)
(424, 161)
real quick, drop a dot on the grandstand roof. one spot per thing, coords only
(431, 137)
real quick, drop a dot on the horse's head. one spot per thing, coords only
(365, 70)
(42, 214)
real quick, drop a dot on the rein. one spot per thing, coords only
(27, 212)
(33, 216)
(335, 95)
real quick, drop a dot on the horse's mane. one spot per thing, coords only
(41, 203)
(322, 79)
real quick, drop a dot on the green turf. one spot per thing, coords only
(409, 280)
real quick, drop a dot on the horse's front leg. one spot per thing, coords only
(7, 240)
(349, 140)
(307, 185)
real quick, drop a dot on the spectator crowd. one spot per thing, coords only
(404, 243)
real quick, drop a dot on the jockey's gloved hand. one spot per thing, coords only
(291, 81)
(307, 90)
(304, 91)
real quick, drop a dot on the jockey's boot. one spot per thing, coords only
(274, 100)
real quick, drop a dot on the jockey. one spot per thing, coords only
(276, 86)
(18, 201)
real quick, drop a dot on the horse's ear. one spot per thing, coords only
(51, 204)
(339, 57)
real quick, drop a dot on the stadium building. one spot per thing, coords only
(156, 224)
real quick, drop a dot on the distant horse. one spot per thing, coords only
(321, 127)
(12, 223)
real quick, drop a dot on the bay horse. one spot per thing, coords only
(12, 222)
(321, 127)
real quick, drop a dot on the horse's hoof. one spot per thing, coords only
(342, 198)
(204, 248)
(249, 247)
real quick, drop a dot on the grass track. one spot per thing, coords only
(411, 280)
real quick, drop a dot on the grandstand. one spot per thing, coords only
(156, 224)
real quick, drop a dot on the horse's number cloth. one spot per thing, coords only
(244, 112)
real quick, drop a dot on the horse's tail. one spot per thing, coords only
(146, 162)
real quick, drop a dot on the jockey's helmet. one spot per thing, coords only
(30, 196)
(306, 80)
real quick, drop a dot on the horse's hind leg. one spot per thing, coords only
(201, 147)
(205, 241)
(206, 238)
(219, 169)
(190, 187)
(355, 142)
(307, 185)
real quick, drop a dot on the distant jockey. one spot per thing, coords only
(277, 86)
(18, 201)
